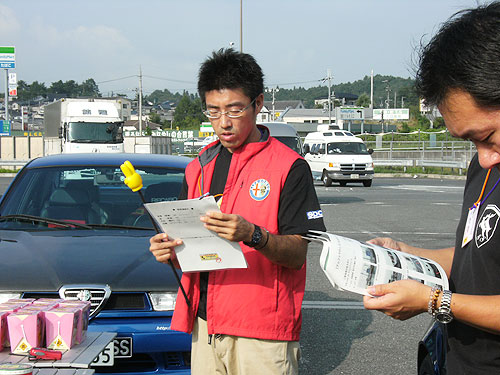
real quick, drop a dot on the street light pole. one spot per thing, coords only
(241, 25)
(140, 100)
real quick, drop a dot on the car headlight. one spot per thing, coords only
(334, 165)
(163, 301)
(5, 296)
(369, 166)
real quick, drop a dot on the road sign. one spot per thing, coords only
(7, 57)
(13, 79)
(352, 113)
(13, 90)
(4, 127)
(391, 114)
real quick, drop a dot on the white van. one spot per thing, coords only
(285, 134)
(337, 155)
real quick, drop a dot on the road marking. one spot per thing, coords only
(334, 305)
(426, 188)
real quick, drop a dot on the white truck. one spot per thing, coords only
(338, 156)
(83, 125)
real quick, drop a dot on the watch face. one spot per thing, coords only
(444, 317)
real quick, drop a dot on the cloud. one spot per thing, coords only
(9, 25)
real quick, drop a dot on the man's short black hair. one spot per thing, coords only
(464, 54)
(228, 69)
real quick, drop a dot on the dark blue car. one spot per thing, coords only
(70, 227)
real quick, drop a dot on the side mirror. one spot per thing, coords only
(370, 151)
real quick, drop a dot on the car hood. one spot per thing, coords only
(45, 261)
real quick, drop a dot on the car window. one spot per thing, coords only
(91, 195)
(346, 148)
(292, 142)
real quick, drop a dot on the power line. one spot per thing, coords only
(117, 79)
(171, 80)
(296, 83)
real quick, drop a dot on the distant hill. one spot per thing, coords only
(404, 87)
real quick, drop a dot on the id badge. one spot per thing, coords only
(470, 225)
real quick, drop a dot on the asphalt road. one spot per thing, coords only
(338, 335)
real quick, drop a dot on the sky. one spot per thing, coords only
(296, 42)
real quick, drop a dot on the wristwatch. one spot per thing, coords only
(444, 314)
(256, 237)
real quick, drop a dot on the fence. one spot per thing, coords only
(441, 154)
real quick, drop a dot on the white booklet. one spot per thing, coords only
(353, 265)
(202, 249)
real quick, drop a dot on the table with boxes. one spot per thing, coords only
(55, 324)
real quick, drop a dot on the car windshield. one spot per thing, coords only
(88, 196)
(292, 142)
(94, 132)
(346, 148)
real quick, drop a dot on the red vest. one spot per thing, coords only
(263, 301)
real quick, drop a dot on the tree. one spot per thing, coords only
(27, 92)
(363, 100)
(188, 113)
(89, 88)
(155, 117)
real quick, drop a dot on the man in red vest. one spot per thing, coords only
(246, 321)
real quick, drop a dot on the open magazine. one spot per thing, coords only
(353, 265)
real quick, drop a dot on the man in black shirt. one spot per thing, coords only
(460, 73)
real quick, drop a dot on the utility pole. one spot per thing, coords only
(241, 25)
(371, 91)
(6, 101)
(140, 100)
(273, 91)
(395, 99)
(329, 78)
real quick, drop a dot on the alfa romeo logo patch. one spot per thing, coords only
(259, 190)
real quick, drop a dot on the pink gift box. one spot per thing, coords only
(3, 329)
(61, 327)
(83, 321)
(25, 331)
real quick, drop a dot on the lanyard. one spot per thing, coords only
(484, 187)
(479, 201)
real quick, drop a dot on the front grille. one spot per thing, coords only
(142, 362)
(352, 167)
(97, 295)
(126, 301)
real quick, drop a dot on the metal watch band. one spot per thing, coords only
(444, 314)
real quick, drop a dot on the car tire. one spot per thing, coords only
(327, 181)
(367, 183)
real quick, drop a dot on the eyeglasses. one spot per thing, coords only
(233, 113)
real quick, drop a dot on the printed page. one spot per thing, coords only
(353, 265)
(202, 250)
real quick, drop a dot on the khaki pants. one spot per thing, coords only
(235, 355)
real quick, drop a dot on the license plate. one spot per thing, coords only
(355, 176)
(123, 347)
(120, 347)
(106, 357)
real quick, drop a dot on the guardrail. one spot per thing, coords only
(458, 164)
(13, 163)
(394, 163)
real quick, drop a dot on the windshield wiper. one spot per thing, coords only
(63, 223)
(118, 226)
